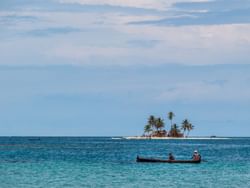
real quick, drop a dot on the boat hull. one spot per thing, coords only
(152, 160)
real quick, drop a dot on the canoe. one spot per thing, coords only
(152, 160)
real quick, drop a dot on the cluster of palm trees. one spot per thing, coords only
(155, 127)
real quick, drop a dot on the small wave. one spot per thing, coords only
(116, 138)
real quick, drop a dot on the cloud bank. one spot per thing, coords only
(83, 32)
(145, 4)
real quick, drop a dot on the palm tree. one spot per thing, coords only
(159, 124)
(147, 129)
(185, 125)
(152, 123)
(190, 127)
(170, 117)
(175, 131)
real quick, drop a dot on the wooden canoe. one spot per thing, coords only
(152, 160)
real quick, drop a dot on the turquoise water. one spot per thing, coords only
(103, 162)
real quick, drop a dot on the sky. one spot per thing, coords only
(101, 67)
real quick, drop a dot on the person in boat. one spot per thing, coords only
(196, 156)
(171, 157)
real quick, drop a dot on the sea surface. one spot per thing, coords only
(58, 162)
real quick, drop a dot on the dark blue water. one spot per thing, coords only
(103, 162)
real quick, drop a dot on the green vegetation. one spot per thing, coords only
(170, 117)
(175, 131)
(186, 126)
(155, 127)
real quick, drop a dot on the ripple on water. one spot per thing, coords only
(103, 162)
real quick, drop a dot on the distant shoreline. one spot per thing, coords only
(173, 138)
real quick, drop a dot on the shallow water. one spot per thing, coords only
(103, 162)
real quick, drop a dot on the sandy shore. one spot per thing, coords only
(170, 138)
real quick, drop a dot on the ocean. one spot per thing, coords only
(57, 162)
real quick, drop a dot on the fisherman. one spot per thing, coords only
(171, 157)
(196, 156)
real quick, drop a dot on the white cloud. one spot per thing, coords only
(191, 45)
(84, 53)
(146, 4)
(211, 44)
(105, 35)
(201, 91)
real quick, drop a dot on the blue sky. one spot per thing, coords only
(101, 67)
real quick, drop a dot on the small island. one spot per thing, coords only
(155, 128)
